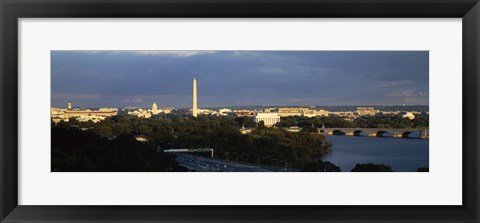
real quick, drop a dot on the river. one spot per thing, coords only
(402, 154)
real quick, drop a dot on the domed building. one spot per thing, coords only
(155, 109)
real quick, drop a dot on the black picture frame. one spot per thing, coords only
(12, 10)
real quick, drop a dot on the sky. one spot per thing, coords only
(93, 79)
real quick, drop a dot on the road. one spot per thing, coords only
(204, 164)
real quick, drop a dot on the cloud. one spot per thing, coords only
(133, 100)
(415, 101)
(171, 53)
(294, 71)
(224, 78)
(409, 96)
(390, 84)
(405, 93)
(72, 96)
(271, 70)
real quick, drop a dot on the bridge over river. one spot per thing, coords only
(374, 132)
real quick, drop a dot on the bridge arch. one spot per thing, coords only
(381, 133)
(357, 132)
(402, 134)
(338, 132)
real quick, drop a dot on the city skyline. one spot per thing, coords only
(239, 78)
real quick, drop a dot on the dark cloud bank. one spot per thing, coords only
(239, 78)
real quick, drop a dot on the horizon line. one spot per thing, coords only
(224, 106)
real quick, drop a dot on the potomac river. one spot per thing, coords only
(402, 154)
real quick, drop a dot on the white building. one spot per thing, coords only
(82, 115)
(167, 110)
(269, 119)
(361, 111)
(409, 115)
(141, 113)
(244, 130)
(92, 118)
(155, 109)
(294, 129)
(313, 113)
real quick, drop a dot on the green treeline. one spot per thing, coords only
(268, 146)
(74, 150)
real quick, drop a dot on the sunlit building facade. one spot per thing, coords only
(269, 119)
(82, 115)
(361, 111)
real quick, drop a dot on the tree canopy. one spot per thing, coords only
(115, 137)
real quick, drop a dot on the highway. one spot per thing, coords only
(204, 164)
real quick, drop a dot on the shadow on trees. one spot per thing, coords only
(74, 150)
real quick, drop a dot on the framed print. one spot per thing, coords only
(239, 111)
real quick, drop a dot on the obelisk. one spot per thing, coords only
(194, 107)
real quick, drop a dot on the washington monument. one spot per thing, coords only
(194, 106)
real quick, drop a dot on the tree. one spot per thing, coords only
(320, 166)
(104, 131)
(370, 167)
(246, 121)
(272, 146)
(74, 150)
(423, 169)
